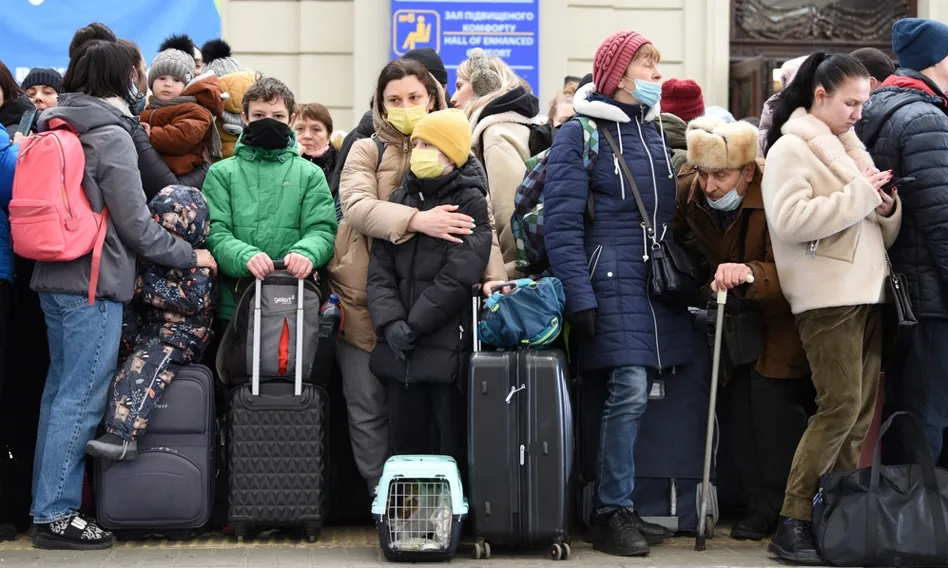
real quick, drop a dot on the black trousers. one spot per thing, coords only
(768, 418)
(427, 418)
(916, 380)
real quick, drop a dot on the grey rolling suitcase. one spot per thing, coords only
(278, 440)
(168, 489)
(520, 449)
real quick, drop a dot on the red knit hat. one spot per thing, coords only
(682, 98)
(613, 58)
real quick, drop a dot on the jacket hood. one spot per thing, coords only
(206, 89)
(674, 129)
(903, 88)
(247, 152)
(366, 125)
(11, 113)
(469, 176)
(85, 112)
(236, 85)
(518, 101)
(388, 133)
(588, 102)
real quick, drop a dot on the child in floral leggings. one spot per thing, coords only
(167, 326)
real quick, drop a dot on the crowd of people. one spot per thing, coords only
(211, 172)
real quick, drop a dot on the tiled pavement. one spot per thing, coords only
(358, 548)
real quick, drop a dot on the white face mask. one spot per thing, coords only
(731, 200)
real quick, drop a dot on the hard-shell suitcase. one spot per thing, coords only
(520, 449)
(169, 488)
(669, 449)
(277, 447)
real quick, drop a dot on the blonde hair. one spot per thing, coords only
(490, 77)
(564, 96)
(648, 51)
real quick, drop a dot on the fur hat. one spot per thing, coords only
(484, 79)
(448, 131)
(719, 145)
(218, 57)
(172, 62)
(183, 211)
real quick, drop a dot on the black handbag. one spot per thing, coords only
(904, 315)
(673, 277)
(885, 515)
(743, 333)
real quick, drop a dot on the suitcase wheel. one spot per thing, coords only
(481, 550)
(560, 551)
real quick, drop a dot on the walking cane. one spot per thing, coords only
(712, 404)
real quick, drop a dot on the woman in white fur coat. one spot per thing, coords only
(502, 114)
(831, 222)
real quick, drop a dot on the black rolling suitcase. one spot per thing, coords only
(169, 488)
(520, 449)
(277, 444)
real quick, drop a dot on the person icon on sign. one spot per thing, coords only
(422, 34)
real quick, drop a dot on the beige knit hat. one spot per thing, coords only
(719, 145)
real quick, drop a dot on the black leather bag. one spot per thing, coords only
(905, 317)
(743, 333)
(673, 277)
(885, 515)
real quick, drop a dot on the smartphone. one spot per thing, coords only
(26, 122)
(897, 182)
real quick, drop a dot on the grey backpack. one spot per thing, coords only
(282, 297)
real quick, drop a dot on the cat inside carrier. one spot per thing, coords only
(419, 508)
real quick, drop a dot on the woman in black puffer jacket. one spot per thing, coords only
(419, 292)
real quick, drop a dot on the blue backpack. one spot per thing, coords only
(529, 316)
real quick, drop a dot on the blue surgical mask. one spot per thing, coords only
(135, 100)
(731, 200)
(646, 92)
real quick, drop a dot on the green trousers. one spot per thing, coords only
(843, 346)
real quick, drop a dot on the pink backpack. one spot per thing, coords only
(50, 216)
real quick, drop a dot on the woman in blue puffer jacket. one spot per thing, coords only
(615, 326)
(8, 154)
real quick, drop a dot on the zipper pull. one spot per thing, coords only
(421, 196)
(615, 163)
(813, 248)
(461, 330)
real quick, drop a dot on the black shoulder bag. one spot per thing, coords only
(673, 278)
(743, 332)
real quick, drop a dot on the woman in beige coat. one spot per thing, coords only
(502, 114)
(374, 169)
(830, 222)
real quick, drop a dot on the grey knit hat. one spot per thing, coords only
(218, 58)
(172, 62)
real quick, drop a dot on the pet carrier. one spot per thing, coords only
(419, 508)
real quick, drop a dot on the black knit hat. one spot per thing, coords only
(43, 76)
(432, 62)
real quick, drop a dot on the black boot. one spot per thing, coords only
(755, 526)
(794, 543)
(112, 447)
(617, 534)
(77, 532)
(653, 533)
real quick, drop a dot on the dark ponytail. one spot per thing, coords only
(819, 69)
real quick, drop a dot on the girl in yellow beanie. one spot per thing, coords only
(419, 292)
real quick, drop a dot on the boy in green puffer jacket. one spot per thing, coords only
(267, 203)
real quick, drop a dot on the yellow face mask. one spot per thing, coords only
(426, 163)
(405, 119)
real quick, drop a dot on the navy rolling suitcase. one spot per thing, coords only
(169, 488)
(520, 449)
(277, 443)
(669, 451)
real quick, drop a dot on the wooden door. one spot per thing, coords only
(748, 87)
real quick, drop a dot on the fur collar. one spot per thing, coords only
(844, 155)
(505, 117)
(603, 110)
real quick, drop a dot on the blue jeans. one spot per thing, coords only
(615, 468)
(83, 348)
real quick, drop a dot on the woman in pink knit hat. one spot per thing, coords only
(618, 330)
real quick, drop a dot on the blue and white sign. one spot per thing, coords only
(505, 28)
(36, 33)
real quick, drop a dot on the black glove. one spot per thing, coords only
(400, 338)
(583, 324)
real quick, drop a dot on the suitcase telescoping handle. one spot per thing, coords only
(475, 309)
(712, 404)
(278, 265)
